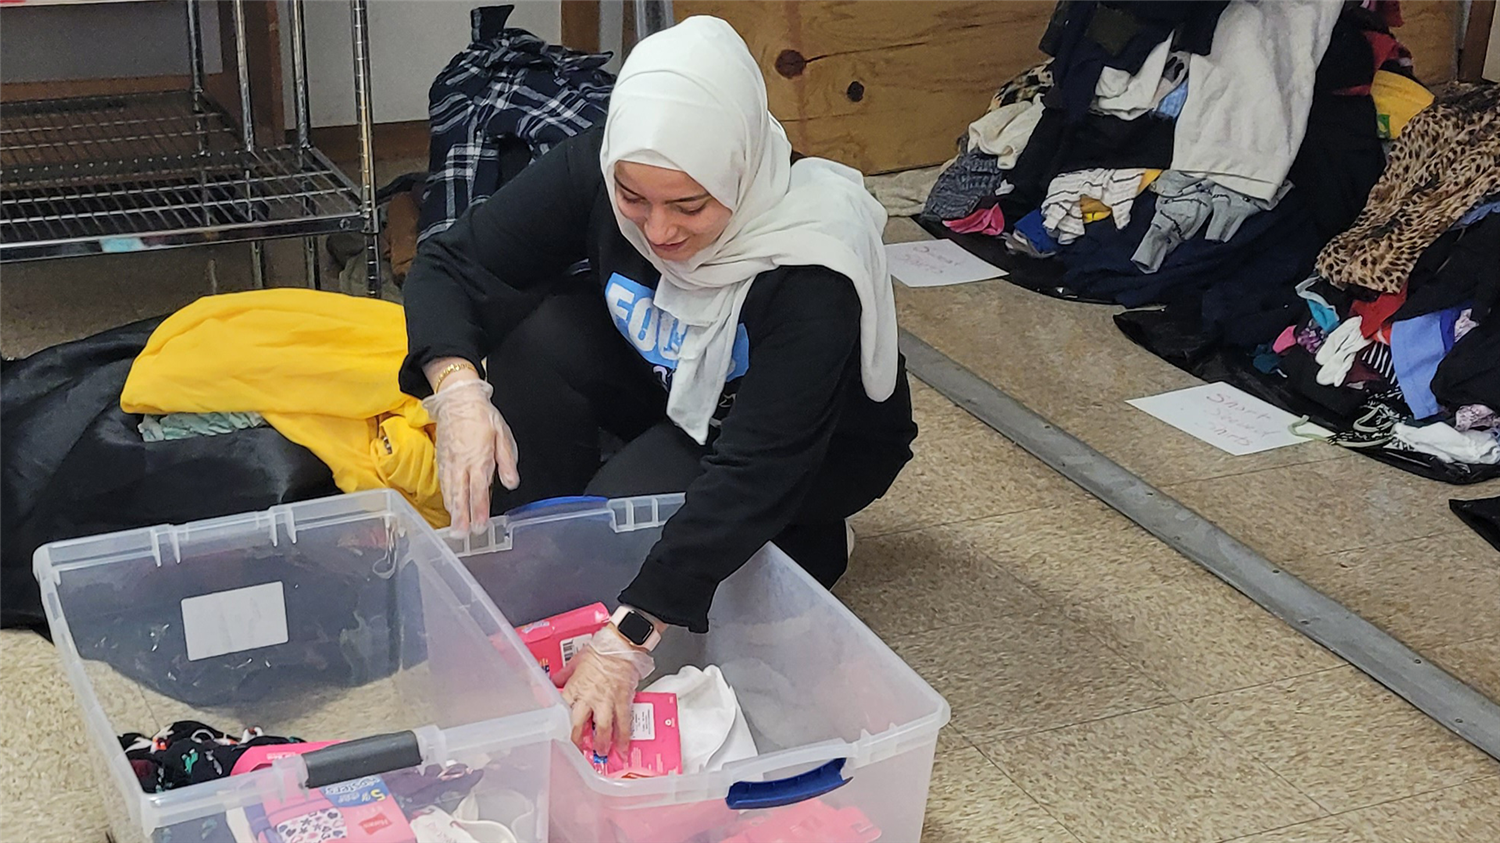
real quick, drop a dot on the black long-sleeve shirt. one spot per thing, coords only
(796, 393)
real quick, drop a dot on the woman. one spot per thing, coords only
(736, 332)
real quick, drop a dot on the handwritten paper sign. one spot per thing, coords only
(1228, 418)
(937, 263)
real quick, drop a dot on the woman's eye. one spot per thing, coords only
(693, 212)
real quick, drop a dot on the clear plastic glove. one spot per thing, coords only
(600, 684)
(473, 443)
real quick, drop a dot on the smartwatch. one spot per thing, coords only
(636, 628)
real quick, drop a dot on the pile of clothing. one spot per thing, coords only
(1166, 143)
(319, 367)
(1208, 163)
(1402, 331)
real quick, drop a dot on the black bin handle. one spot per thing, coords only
(361, 757)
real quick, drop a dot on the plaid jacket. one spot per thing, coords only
(507, 96)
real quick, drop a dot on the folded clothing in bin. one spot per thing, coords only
(189, 752)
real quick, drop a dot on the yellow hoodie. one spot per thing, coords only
(320, 367)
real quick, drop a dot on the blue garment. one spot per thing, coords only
(1417, 347)
(1171, 104)
(1326, 317)
(1085, 37)
(1322, 312)
(1032, 228)
(1265, 360)
(508, 87)
(1479, 212)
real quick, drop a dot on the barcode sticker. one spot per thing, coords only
(230, 621)
(643, 721)
(573, 646)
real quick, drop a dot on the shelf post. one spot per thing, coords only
(195, 49)
(304, 129)
(359, 21)
(242, 65)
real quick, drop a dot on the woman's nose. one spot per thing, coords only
(658, 229)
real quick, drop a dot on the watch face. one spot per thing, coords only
(636, 628)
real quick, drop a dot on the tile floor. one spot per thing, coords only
(1104, 689)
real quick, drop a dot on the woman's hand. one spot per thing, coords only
(473, 443)
(599, 686)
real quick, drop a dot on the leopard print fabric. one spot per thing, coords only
(1446, 161)
(1027, 86)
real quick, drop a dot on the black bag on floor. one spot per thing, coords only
(72, 463)
(1482, 515)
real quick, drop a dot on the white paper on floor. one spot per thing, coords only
(1228, 418)
(937, 263)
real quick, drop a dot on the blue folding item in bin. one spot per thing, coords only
(846, 730)
(432, 697)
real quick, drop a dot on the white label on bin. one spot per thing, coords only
(643, 721)
(234, 620)
(573, 646)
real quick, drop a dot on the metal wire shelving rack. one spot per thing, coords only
(134, 172)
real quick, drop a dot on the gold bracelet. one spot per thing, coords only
(450, 369)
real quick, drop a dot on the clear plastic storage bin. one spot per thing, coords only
(846, 730)
(343, 619)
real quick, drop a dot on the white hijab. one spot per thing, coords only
(691, 98)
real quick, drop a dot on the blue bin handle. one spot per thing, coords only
(571, 502)
(746, 796)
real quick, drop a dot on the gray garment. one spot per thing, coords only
(956, 193)
(173, 426)
(1184, 205)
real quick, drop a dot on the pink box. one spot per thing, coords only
(692, 822)
(655, 743)
(807, 822)
(360, 811)
(553, 642)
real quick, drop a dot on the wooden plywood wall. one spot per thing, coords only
(891, 84)
(882, 84)
(1431, 31)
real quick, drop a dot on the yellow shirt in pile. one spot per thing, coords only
(1094, 210)
(1397, 101)
(320, 367)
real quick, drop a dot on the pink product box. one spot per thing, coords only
(359, 811)
(655, 742)
(807, 822)
(554, 642)
(694, 822)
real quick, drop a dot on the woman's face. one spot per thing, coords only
(674, 212)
